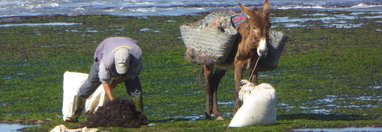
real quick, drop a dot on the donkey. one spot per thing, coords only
(250, 45)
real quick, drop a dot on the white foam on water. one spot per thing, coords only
(316, 14)
(321, 111)
(331, 102)
(368, 98)
(226, 103)
(39, 24)
(359, 107)
(149, 30)
(377, 87)
(293, 25)
(363, 5)
(192, 117)
(284, 106)
(300, 7)
(329, 21)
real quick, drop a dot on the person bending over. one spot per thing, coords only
(116, 60)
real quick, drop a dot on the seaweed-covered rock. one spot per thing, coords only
(118, 113)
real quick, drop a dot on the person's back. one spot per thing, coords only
(116, 60)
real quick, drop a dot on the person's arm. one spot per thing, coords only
(108, 90)
(106, 80)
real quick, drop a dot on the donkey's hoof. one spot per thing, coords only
(208, 116)
(219, 118)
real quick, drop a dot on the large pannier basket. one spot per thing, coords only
(209, 40)
(207, 46)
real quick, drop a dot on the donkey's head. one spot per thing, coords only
(257, 29)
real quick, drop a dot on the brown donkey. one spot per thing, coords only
(249, 46)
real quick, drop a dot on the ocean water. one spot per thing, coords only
(13, 127)
(9, 8)
(365, 10)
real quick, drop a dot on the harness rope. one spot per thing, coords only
(254, 68)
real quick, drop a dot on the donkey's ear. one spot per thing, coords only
(245, 10)
(266, 8)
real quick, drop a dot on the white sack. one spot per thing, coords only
(62, 128)
(259, 105)
(71, 86)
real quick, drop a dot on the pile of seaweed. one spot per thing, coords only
(117, 113)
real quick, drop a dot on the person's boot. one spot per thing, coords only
(138, 103)
(78, 107)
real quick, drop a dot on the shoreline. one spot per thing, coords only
(173, 8)
(200, 13)
(279, 18)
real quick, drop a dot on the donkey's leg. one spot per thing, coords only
(208, 76)
(218, 75)
(239, 66)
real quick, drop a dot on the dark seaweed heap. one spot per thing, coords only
(117, 113)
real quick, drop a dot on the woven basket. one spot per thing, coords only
(209, 40)
(208, 45)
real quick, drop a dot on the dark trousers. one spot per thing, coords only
(133, 86)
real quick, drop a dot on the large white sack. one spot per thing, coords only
(71, 86)
(259, 105)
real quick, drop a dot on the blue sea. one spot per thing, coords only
(9, 8)
(365, 10)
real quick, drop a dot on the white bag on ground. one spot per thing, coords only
(259, 105)
(71, 86)
(62, 128)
